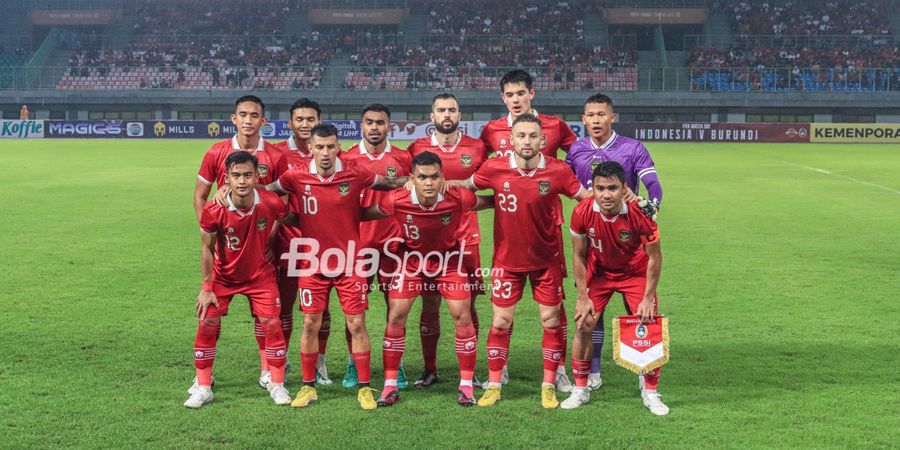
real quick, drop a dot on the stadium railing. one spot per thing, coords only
(794, 41)
(425, 78)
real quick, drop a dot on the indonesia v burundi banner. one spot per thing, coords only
(640, 347)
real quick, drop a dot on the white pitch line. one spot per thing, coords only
(827, 172)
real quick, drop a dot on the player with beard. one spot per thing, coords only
(460, 156)
(517, 92)
(377, 155)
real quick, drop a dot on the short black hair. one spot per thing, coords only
(517, 76)
(324, 130)
(526, 118)
(306, 103)
(609, 169)
(599, 98)
(444, 96)
(240, 157)
(426, 159)
(376, 107)
(252, 99)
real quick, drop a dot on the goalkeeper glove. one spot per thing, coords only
(649, 207)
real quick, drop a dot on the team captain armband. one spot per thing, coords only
(651, 239)
(640, 347)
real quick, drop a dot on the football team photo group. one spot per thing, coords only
(307, 226)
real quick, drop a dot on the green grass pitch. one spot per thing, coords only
(780, 278)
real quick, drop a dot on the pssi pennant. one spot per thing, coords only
(640, 347)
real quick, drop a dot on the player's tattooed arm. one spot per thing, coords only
(467, 184)
(585, 316)
(372, 213)
(386, 183)
(207, 259)
(654, 266)
(483, 202)
(291, 220)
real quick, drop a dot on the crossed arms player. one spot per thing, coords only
(616, 248)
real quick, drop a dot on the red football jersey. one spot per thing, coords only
(212, 169)
(458, 163)
(328, 208)
(616, 244)
(393, 162)
(557, 135)
(429, 228)
(526, 204)
(291, 155)
(242, 236)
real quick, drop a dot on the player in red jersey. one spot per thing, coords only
(460, 156)
(249, 116)
(517, 91)
(526, 186)
(305, 114)
(430, 261)
(234, 243)
(616, 249)
(324, 199)
(375, 153)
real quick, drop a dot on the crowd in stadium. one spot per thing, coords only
(793, 17)
(454, 17)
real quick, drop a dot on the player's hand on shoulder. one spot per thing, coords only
(650, 208)
(221, 197)
(630, 196)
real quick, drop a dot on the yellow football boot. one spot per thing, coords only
(548, 397)
(366, 399)
(491, 396)
(306, 396)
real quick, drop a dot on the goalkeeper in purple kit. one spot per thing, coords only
(604, 144)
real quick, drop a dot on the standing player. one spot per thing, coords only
(460, 157)
(431, 251)
(249, 116)
(603, 144)
(305, 114)
(526, 186)
(517, 92)
(234, 242)
(377, 155)
(324, 198)
(616, 248)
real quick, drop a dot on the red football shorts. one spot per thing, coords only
(315, 290)
(600, 290)
(546, 286)
(386, 266)
(472, 265)
(449, 281)
(262, 293)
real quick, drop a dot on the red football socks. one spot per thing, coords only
(466, 351)
(276, 351)
(497, 353)
(205, 351)
(363, 362)
(581, 368)
(430, 333)
(392, 350)
(551, 349)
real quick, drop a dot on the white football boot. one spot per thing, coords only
(594, 381)
(578, 397)
(265, 377)
(562, 380)
(200, 397)
(653, 402)
(279, 394)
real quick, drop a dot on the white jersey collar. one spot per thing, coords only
(605, 145)
(232, 207)
(259, 147)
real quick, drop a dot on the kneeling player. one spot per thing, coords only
(616, 249)
(431, 260)
(233, 261)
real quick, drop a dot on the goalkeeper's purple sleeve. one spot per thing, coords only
(654, 188)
